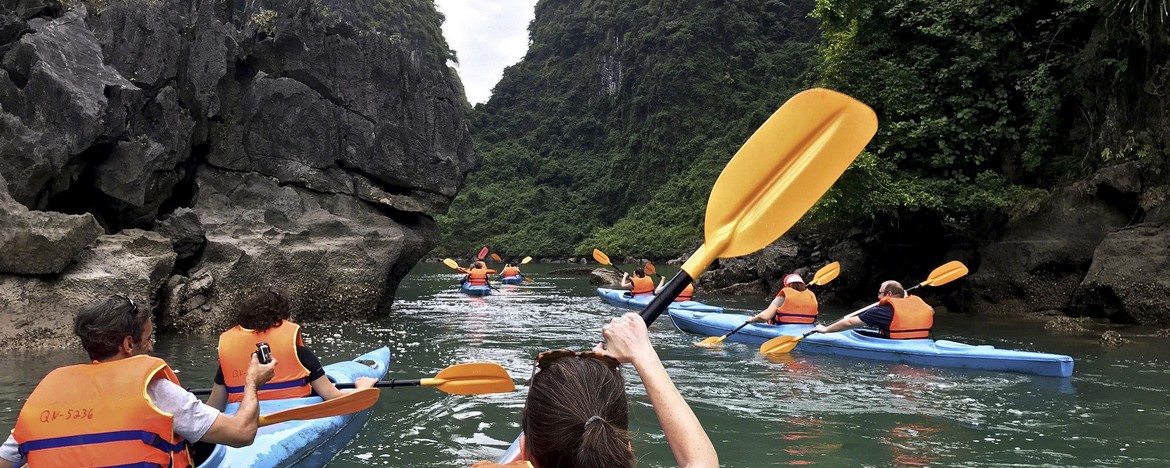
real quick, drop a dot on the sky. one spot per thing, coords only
(487, 35)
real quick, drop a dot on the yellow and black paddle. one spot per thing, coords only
(823, 276)
(774, 178)
(944, 274)
(603, 259)
(527, 279)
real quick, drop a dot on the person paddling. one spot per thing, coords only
(510, 271)
(639, 284)
(477, 275)
(794, 304)
(898, 315)
(577, 411)
(264, 316)
(125, 407)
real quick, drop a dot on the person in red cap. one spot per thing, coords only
(794, 304)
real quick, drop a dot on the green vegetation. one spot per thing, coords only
(612, 129)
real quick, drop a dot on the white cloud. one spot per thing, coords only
(487, 35)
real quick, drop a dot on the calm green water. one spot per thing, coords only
(807, 409)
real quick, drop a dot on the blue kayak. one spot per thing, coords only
(311, 442)
(512, 279)
(623, 298)
(853, 343)
(470, 290)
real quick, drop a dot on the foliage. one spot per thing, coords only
(418, 22)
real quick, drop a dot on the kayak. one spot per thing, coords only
(512, 279)
(854, 343)
(623, 298)
(512, 453)
(470, 290)
(311, 442)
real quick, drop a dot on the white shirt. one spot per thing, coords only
(192, 418)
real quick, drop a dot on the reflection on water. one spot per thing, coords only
(789, 409)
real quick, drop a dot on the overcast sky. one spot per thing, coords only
(487, 35)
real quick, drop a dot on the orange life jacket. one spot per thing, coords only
(686, 294)
(477, 277)
(913, 318)
(100, 415)
(642, 285)
(798, 307)
(510, 271)
(236, 346)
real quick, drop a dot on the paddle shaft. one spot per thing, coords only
(381, 384)
(664, 298)
(745, 323)
(388, 383)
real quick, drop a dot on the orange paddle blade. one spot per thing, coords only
(649, 269)
(482, 253)
(472, 379)
(780, 344)
(601, 257)
(950, 271)
(826, 274)
(496, 257)
(350, 402)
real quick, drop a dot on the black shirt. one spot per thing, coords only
(304, 354)
(879, 316)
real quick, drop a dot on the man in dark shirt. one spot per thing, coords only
(879, 316)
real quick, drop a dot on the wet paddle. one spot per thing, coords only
(522, 262)
(944, 274)
(351, 402)
(475, 378)
(774, 178)
(823, 276)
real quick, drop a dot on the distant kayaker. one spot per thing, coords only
(795, 303)
(639, 284)
(124, 408)
(577, 411)
(898, 315)
(264, 317)
(510, 271)
(478, 274)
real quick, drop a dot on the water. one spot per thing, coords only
(802, 409)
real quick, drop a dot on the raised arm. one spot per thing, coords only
(239, 430)
(628, 341)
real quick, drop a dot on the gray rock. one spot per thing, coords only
(185, 232)
(1127, 281)
(37, 242)
(1041, 258)
(606, 278)
(39, 310)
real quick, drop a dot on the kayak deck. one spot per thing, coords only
(312, 442)
(470, 290)
(852, 343)
(622, 298)
(512, 279)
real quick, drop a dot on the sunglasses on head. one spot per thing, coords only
(133, 306)
(548, 357)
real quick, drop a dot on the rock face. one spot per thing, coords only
(266, 142)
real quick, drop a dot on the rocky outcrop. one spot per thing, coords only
(38, 311)
(266, 142)
(40, 243)
(1128, 281)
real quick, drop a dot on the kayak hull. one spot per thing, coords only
(470, 290)
(622, 298)
(852, 343)
(312, 442)
(512, 279)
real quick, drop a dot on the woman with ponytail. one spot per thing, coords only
(577, 413)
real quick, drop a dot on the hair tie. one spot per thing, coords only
(591, 419)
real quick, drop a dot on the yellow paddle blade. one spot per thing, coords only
(496, 257)
(526, 260)
(601, 257)
(950, 271)
(451, 263)
(780, 344)
(472, 379)
(785, 167)
(826, 274)
(350, 402)
(712, 342)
